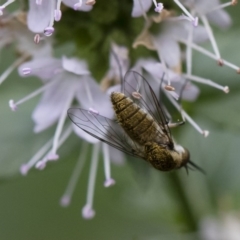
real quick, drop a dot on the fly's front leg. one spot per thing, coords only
(172, 125)
(176, 124)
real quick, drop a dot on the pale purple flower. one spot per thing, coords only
(64, 80)
(14, 32)
(215, 15)
(42, 14)
(66, 77)
(158, 75)
(161, 76)
(166, 42)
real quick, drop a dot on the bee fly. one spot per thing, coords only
(141, 129)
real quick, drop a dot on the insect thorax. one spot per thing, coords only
(137, 123)
(164, 159)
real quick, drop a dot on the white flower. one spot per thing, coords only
(15, 32)
(41, 16)
(215, 15)
(65, 80)
(166, 41)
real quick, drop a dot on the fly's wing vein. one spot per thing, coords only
(104, 129)
(135, 82)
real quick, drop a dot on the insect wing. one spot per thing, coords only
(104, 129)
(136, 87)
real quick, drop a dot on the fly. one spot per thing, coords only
(140, 129)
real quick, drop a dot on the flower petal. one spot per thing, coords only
(90, 95)
(169, 50)
(39, 16)
(220, 18)
(140, 7)
(190, 91)
(51, 104)
(75, 66)
(44, 68)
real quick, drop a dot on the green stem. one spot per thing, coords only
(187, 213)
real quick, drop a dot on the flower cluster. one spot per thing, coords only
(168, 36)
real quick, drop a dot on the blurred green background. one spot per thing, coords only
(154, 206)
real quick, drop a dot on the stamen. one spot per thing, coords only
(42, 163)
(78, 5)
(89, 95)
(57, 15)
(209, 54)
(2, 7)
(106, 159)
(205, 133)
(53, 155)
(37, 38)
(193, 20)
(187, 117)
(158, 6)
(48, 31)
(90, 98)
(207, 82)
(93, 111)
(27, 166)
(67, 196)
(234, 2)
(90, 2)
(189, 51)
(57, 12)
(164, 67)
(13, 66)
(87, 211)
(211, 36)
(136, 95)
(26, 71)
(169, 88)
(13, 105)
(221, 6)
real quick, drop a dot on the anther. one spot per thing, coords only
(90, 2)
(12, 105)
(88, 212)
(26, 71)
(109, 182)
(48, 31)
(93, 111)
(169, 88)
(220, 62)
(136, 95)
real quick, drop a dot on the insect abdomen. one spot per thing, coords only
(139, 125)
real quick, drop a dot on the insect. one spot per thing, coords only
(140, 129)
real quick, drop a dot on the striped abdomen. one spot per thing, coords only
(139, 125)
